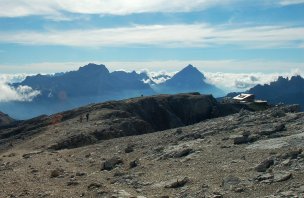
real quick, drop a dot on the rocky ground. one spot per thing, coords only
(246, 154)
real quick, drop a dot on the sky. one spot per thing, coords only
(235, 43)
(237, 36)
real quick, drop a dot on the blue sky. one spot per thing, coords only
(214, 35)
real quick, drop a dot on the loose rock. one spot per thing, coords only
(279, 177)
(129, 149)
(264, 165)
(111, 163)
(229, 182)
(56, 173)
(178, 183)
(134, 163)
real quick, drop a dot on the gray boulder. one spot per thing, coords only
(111, 163)
(264, 165)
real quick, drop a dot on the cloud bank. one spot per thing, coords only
(231, 82)
(20, 93)
(179, 35)
(56, 8)
(290, 2)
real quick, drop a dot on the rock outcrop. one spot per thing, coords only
(115, 119)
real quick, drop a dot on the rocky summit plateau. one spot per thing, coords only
(184, 145)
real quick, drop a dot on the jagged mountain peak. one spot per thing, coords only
(292, 79)
(92, 67)
(296, 78)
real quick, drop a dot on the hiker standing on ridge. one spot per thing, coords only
(87, 116)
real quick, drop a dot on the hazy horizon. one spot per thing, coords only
(231, 36)
(236, 44)
(228, 82)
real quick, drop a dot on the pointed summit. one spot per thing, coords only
(189, 79)
(190, 67)
(190, 71)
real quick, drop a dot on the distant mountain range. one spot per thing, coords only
(284, 90)
(94, 83)
(89, 81)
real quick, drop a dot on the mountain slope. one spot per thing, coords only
(5, 119)
(189, 79)
(247, 154)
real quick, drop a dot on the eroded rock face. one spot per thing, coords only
(74, 142)
(130, 117)
(171, 111)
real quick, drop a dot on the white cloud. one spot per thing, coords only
(261, 36)
(122, 7)
(291, 2)
(243, 81)
(225, 66)
(20, 93)
(12, 78)
(179, 35)
(55, 8)
(239, 81)
(233, 82)
(17, 8)
(138, 35)
(159, 76)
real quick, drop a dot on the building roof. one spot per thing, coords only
(243, 96)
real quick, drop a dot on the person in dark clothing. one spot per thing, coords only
(87, 116)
